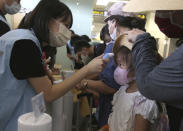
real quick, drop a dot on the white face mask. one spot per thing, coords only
(60, 38)
(13, 8)
(114, 35)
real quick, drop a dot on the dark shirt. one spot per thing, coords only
(26, 60)
(99, 49)
(4, 28)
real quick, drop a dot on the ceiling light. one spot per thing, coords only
(102, 2)
(106, 2)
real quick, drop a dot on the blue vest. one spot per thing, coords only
(15, 95)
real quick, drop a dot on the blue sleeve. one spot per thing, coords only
(162, 82)
(107, 75)
(109, 48)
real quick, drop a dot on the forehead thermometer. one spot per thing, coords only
(108, 56)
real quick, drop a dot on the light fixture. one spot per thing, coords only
(102, 2)
(106, 2)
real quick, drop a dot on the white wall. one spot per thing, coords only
(153, 29)
(29, 5)
(82, 16)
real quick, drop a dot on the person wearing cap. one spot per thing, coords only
(114, 13)
(104, 35)
(7, 7)
(162, 82)
(106, 85)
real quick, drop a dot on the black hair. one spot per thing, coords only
(112, 17)
(104, 31)
(81, 44)
(75, 38)
(40, 17)
(131, 22)
(86, 38)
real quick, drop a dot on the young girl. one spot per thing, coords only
(131, 110)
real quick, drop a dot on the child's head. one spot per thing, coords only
(124, 72)
(122, 40)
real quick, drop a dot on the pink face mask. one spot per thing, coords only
(121, 76)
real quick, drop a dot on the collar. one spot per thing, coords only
(109, 42)
(69, 45)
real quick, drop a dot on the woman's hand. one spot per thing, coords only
(80, 86)
(96, 65)
(132, 34)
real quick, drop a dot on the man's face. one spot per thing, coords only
(85, 52)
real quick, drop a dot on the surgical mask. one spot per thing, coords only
(60, 38)
(121, 76)
(13, 8)
(167, 25)
(112, 34)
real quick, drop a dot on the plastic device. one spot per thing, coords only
(108, 56)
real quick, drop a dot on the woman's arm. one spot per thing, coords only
(53, 92)
(97, 86)
(93, 77)
(141, 124)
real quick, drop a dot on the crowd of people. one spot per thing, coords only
(136, 90)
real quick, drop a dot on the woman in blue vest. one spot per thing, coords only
(21, 66)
